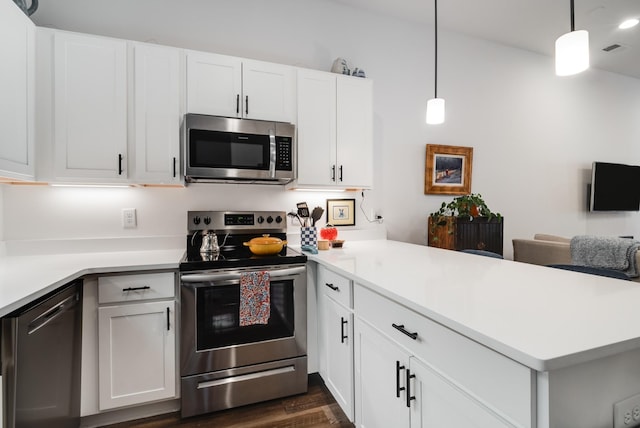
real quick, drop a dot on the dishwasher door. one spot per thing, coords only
(41, 352)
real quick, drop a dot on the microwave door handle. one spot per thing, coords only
(272, 153)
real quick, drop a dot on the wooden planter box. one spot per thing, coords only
(462, 234)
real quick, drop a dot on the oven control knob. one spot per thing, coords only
(260, 220)
(278, 219)
(269, 219)
(196, 220)
(207, 220)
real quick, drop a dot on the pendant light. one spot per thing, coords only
(572, 50)
(435, 106)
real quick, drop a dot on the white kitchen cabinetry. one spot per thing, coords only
(335, 130)
(136, 339)
(336, 337)
(17, 52)
(157, 113)
(437, 375)
(90, 107)
(228, 86)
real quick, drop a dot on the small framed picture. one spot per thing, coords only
(448, 170)
(341, 212)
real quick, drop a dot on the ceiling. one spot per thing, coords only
(533, 25)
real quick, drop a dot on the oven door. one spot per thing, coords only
(212, 338)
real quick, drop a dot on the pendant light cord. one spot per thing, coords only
(436, 47)
(573, 20)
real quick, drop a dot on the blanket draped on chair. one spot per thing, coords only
(605, 252)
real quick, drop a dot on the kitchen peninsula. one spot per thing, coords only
(529, 345)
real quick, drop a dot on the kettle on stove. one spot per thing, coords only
(209, 242)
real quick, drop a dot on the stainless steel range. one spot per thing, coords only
(243, 317)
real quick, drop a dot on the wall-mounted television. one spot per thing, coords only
(614, 187)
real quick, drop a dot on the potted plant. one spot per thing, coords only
(442, 222)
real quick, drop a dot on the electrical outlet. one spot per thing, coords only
(129, 218)
(626, 413)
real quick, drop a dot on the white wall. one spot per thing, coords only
(534, 135)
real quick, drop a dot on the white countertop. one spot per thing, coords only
(25, 278)
(541, 317)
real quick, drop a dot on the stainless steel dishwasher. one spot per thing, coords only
(41, 351)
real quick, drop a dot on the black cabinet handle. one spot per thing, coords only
(146, 287)
(398, 388)
(331, 286)
(340, 178)
(401, 329)
(409, 396)
(174, 166)
(237, 103)
(343, 323)
(168, 320)
(246, 104)
(119, 163)
(333, 173)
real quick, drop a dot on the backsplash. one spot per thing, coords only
(50, 213)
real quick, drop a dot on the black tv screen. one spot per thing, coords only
(615, 187)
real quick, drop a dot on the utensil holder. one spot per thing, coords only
(309, 236)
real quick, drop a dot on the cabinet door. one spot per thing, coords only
(380, 373)
(17, 50)
(438, 403)
(90, 99)
(157, 113)
(338, 322)
(316, 128)
(354, 132)
(214, 84)
(136, 348)
(268, 91)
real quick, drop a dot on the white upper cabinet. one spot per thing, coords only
(316, 128)
(354, 132)
(17, 51)
(157, 114)
(269, 91)
(335, 130)
(227, 86)
(214, 84)
(90, 107)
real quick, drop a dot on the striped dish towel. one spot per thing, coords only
(255, 298)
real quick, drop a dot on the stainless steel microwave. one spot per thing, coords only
(240, 150)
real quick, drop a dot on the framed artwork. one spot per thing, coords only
(448, 170)
(341, 212)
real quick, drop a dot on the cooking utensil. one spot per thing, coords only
(303, 212)
(316, 215)
(265, 245)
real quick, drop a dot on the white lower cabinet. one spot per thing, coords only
(379, 369)
(136, 346)
(336, 337)
(137, 350)
(339, 353)
(439, 403)
(412, 372)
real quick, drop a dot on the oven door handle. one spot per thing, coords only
(226, 276)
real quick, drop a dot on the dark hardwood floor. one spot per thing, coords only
(315, 409)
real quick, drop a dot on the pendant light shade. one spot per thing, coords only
(435, 106)
(572, 50)
(435, 111)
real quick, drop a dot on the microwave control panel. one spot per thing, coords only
(284, 154)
